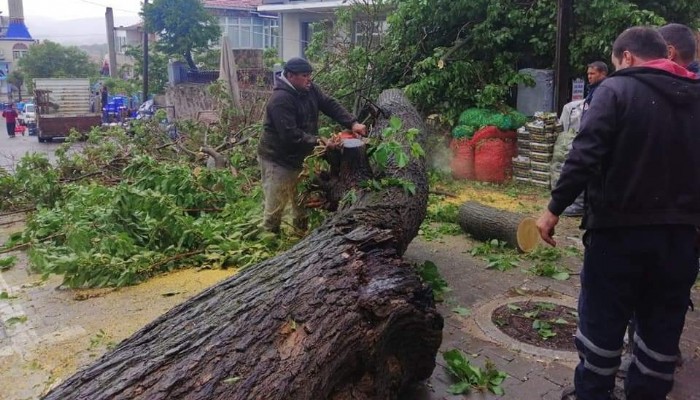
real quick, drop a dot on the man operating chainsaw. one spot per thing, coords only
(290, 134)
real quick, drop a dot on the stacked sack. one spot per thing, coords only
(483, 144)
(535, 148)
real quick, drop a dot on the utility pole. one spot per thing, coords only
(562, 73)
(109, 16)
(145, 56)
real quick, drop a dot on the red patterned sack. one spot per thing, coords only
(493, 153)
(462, 163)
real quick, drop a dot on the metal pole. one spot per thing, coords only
(562, 73)
(145, 57)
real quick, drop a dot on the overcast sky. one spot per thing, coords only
(53, 19)
(76, 9)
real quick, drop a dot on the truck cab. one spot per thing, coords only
(28, 115)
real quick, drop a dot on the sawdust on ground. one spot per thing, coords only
(66, 330)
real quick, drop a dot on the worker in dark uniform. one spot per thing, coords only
(636, 155)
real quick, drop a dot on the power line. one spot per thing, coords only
(49, 36)
(105, 6)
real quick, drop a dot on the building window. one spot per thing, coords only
(17, 54)
(250, 32)
(120, 42)
(19, 50)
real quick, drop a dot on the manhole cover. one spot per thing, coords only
(541, 324)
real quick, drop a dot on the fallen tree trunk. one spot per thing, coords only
(338, 316)
(487, 223)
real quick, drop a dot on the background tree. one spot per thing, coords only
(183, 27)
(331, 49)
(210, 59)
(16, 79)
(52, 60)
(453, 54)
(157, 68)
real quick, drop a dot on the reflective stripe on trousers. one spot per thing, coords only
(644, 271)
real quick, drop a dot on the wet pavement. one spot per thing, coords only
(47, 333)
(12, 149)
(541, 376)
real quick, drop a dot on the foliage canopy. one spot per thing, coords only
(183, 26)
(453, 54)
(52, 60)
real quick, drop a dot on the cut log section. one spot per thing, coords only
(486, 223)
(338, 316)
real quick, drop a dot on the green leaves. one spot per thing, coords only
(52, 60)
(429, 274)
(462, 311)
(183, 26)
(496, 255)
(6, 296)
(550, 270)
(501, 262)
(161, 216)
(7, 262)
(470, 376)
(543, 328)
(16, 320)
(545, 259)
(390, 149)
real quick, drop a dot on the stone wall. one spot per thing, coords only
(184, 101)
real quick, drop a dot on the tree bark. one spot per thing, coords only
(190, 60)
(338, 316)
(487, 223)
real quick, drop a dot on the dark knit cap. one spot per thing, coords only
(298, 65)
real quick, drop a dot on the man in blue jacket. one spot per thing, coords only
(681, 46)
(637, 157)
(290, 134)
(597, 72)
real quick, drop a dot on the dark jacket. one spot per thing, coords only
(291, 123)
(638, 151)
(589, 97)
(694, 67)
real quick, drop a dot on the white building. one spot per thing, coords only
(297, 18)
(15, 40)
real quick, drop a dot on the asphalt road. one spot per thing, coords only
(12, 149)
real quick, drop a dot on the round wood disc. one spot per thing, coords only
(528, 236)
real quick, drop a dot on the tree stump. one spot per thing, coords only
(486, 223)
(349, 166)
(338, 316)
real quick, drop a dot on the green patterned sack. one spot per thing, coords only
(463, 131)
(480, 117)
